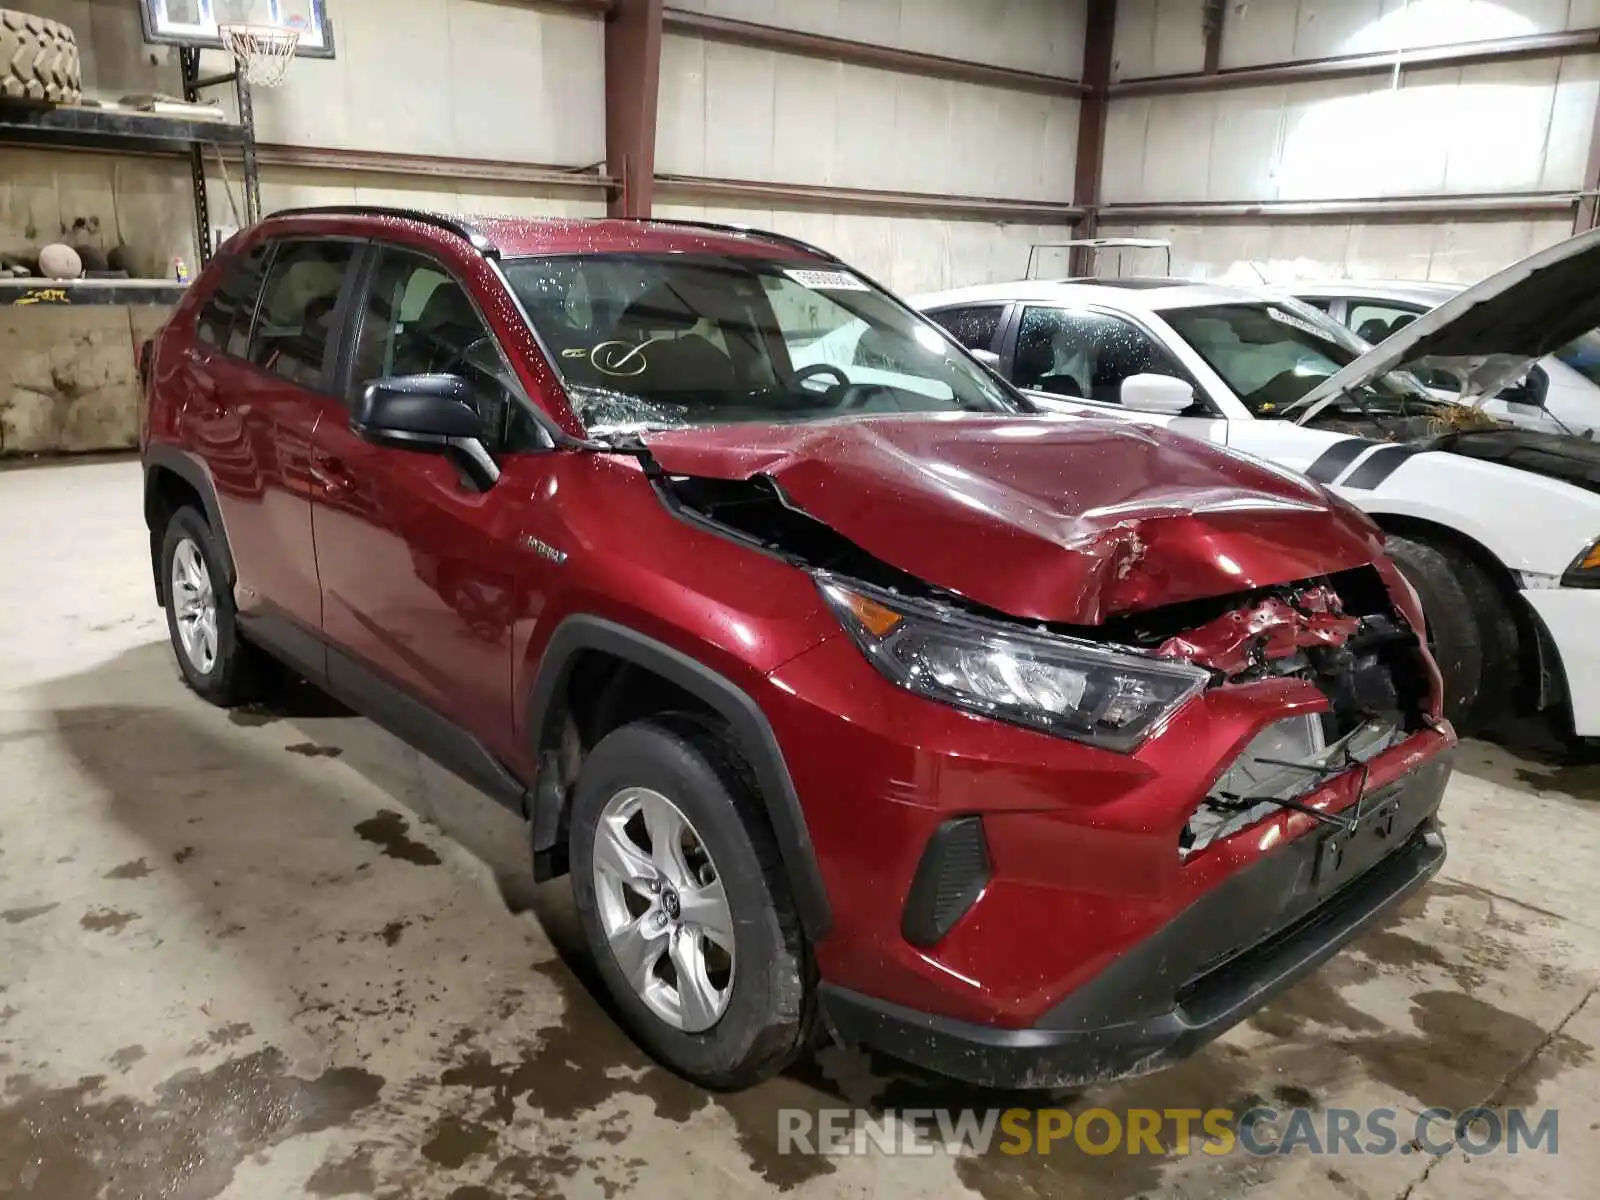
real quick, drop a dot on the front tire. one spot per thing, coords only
(685, 906)
(201, 618)
(1472, 637)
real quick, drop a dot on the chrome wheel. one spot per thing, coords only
(194, 606)
(663, 909)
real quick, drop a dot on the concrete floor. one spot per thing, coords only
(268, 954)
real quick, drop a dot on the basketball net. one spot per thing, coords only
(261, 53)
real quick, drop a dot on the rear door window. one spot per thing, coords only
(294, 328)
(224, 320)
(975, 326)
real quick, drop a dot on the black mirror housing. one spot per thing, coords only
(436, 406)
(427, 412)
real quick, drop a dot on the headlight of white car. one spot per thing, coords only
(1074, 689)
(1585, 569)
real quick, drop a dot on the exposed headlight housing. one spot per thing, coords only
(1585, 569)
(1114, 698)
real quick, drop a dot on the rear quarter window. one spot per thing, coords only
(224, 319)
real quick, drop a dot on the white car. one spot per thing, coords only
(1560, 395)
(1497, 528)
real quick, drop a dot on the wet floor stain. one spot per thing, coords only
(184, 855)
(222, 1037)
(456, 1139)
(312, 750)
(106, 920)
(1581, 781)
(389, 831)
(252, 716)
(1463, 1042)
(78, 1141)
(126, 1057)
(349, 1176)
(1544, 768)
(391, 932)
(137, 869)
(16, 916)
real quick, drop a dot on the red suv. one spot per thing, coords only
(852, 693)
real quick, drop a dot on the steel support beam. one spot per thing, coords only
(1213, 18)
(1098, 43)
(1588, 214)
(864, 54)
(1312, 70)
(633, 79)
(1493, 206)
(846, 199)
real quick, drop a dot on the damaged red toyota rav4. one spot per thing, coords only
(853, 695)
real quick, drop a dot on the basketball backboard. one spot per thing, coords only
(194, 22)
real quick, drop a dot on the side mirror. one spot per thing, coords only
(431, 413)
(1156, 394)
(1531, 392)
(988, 358)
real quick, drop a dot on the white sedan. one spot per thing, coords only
(1497, 528)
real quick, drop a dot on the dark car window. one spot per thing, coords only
(1374, 322)
(1085, 354)
(974, 327)
(224, 320)
(418, 320)
(1582, 354)
(295, 322)
(655, 340)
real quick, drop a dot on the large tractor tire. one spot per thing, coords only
(38, 59)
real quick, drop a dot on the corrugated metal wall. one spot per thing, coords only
(1497, 127)
(734, 112)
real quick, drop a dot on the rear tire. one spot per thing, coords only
(201, 619)
(763, 1014)
(1470, 632)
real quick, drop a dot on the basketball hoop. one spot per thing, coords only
(261, 53)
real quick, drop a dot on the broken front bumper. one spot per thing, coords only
(1259, 931)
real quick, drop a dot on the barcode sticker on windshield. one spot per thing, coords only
(827, 281)
(1294, 322)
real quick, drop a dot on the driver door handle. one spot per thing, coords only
(331, 472)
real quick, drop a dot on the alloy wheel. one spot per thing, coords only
(664, 910)
(194, 606)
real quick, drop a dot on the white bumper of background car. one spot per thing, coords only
(1572, 616)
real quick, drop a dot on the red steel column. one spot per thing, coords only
(1097, 48)
(633, 84)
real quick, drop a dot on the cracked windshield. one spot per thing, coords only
(655, 342)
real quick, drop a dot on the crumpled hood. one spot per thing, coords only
(1060, 521)
(1490, 334)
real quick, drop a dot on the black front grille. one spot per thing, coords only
(951, 876)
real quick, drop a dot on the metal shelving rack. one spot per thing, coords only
(133, 132)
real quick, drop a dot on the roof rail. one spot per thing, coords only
(781, 239)
(456, 225)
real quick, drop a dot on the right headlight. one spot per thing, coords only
(1585, 569)
(1074, 689)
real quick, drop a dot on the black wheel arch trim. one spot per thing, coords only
(759, 744)
(170, 458)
